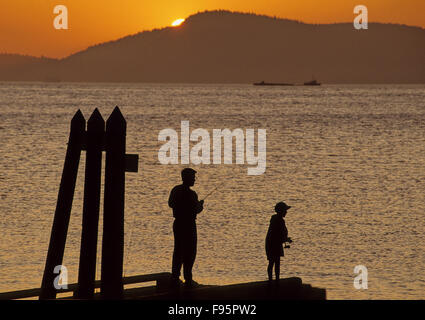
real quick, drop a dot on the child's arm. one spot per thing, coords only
(285, 234)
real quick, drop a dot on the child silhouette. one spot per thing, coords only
(277, 234)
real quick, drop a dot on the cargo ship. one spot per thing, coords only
(312, 83)
(262, 83)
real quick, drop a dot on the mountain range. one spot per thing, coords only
(233, 47)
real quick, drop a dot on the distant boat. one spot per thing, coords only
(262, 83)
(312, 83)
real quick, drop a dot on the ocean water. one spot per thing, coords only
(349, 159)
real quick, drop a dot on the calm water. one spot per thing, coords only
(350, 160)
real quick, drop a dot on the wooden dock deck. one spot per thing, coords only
(284, 289)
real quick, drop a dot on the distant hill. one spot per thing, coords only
(14, 67)
(228, 47)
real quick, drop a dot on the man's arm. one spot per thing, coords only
(199, 205)
(172, 198)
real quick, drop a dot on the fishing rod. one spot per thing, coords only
(214, 190)
(232, 173)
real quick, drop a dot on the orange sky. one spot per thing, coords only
(26, 26)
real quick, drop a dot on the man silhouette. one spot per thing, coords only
(185, 205)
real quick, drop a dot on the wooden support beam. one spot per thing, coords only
(113, 220)
(29, 293)
(63, 206)
(87, 267)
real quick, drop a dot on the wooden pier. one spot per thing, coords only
(112, 139)
(284, 289)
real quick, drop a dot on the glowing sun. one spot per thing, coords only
(177, 22)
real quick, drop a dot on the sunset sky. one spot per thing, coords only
(26, 26)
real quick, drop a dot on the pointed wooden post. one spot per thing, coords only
(63, 206)
(87, 268)
(113, 220)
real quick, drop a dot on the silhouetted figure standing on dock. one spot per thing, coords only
(185, 205)
(277, 235)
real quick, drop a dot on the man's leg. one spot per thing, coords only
(270, 269)
(277, 268)
(177, 254)
(190, 253)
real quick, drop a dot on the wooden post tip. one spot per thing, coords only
(116, 120)
(116, 113)
(96, 117)
(78, 117)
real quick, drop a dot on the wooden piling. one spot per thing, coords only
(113, 220)
(94, 147)
(63, 206)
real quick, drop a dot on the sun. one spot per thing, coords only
(177, 22)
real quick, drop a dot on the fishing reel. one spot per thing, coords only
(287, 246)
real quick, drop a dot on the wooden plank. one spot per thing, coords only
(284, 289)
(289, 288)
(146, 278)
(113, 212)
(131, 163)
(87, 267)
(28, 293)
(63, 206)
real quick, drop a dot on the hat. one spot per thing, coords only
(280, 206)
